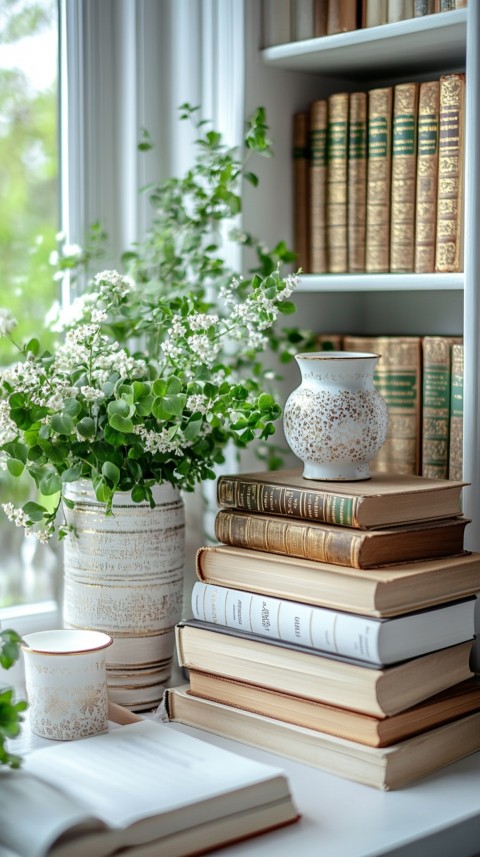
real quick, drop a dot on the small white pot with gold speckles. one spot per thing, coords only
(336, 421)
(66, 683)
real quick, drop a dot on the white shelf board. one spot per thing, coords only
(427, 43)
(380, 282)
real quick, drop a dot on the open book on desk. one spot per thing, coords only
(142, 788)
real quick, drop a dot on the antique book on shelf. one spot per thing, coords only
(300, 188)
(385, 768)
(449, 236)
(333, 679)
(455, 452)
(340, 545)
(427, 176)
(302, 19)
(276, 22)
(399, 10)
(436, 385)
(404, 171)
(384, 499)
(337, 176)
(386, 591)
(374, 12)
(398, 377)
(424, 7)
(320, 9)
(143, 788)
(352, 635)
(341, 16)
(357, 181)
(379, 159)
(318, 187)
(457, 701)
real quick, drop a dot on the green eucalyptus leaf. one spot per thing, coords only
(121, 424)
(50, 483)
(72, 407)
(71, 474)
(86, 427)
(35, 511)
(15, 467)
(286, 307)
(62, 424)
(111, 473)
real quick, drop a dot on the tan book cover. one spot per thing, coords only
(340, 545)
(388, 591)
(385, 768)
(386, 499)
(449, 237)
(341, 16)
(276, 22)
(455, 454)
(357, 181)
(374, 12)
(404, 170)
(318, 187)
(337, 174)
(458, 701)
(379, 159)
(427, 176)
(332, 680)
(437, 351)
(398, 377)
(400, 10)
(300, 188)
(302, 20)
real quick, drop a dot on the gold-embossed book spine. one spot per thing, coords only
(436, 404)
(357, 181)
(404, 161)
(337, 134)
(449, 239)
(455, 462)
(300, 188)
(318, 186)
(379, 159)
(427, 176)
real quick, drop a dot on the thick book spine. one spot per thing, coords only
(289, 621)
(424, 7)
(320, 9)
(248, 495)
(318, 186)
(404, 168)
(276, 22)
(399, 10)
(427, 176)
(398, 378)
(375, 13)
(449, 238)
(302, 19)
(341, 16)
(379, 158)
(455, 454)
(357, 181)
(337, 135)
(300, 155)
(436, 405)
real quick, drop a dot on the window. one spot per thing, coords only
(29, 218)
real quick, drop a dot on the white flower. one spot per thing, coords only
(114, 284)
(202, 321)
(7, 322)
(198, 403)
(90, 394)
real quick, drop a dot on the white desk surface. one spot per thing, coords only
(437, 817)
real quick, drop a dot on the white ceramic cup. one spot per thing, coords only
(66, 682)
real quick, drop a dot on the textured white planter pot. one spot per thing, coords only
(123, 575)
(335, 421)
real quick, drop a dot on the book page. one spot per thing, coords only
(146, 769)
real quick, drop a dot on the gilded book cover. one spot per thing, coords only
(404, 160)
(318, 187)
(379, 158)
(436, 404)
(449, 240)
(357, 181)
(427, 176)
(455, 464)
(337, 134)
(300, 188)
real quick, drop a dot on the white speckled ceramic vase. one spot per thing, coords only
(335, 421)
(123, 575)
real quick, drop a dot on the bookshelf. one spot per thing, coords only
(286, 79)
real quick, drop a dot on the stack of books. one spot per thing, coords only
(333, 624)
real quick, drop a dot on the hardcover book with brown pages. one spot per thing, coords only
(357, 181)
(383, 768)
(389, 591)
(300, 188)
(141, 789)
(340, 545)
(379, 160)
(455, 453)
(381, 642)
(318, 187)
(437, 359)
(457, 701)
(381, 501)
(427, 176)
(398, 378)
(450, 226)
(404, 171)
(337, 177)
(327, 678)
